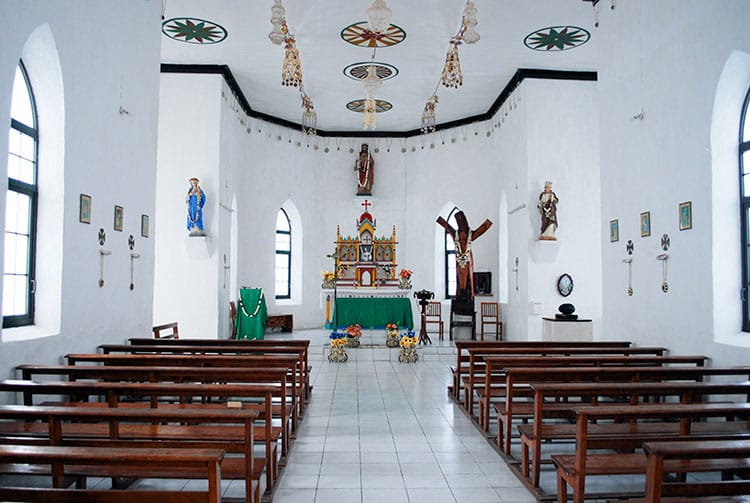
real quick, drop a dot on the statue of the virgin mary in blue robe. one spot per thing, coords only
(195, 200)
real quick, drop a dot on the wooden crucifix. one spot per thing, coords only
(463, 237)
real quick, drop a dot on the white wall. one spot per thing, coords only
(654, 163)
(106, 154)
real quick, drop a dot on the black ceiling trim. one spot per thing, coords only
(520, 75)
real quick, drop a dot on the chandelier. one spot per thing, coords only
(452, 76)
(371, 83)
(378, 16)
(291, 71)
(278, 20)
(309, 117)
(470, 35)
(369, 119)
(428, 115)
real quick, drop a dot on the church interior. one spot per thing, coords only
(164, 155)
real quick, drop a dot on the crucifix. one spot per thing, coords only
(366, 204)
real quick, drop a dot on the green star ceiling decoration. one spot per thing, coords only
(556, 38)
(193, 30)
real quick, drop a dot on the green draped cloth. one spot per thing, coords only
(252, 314)
(373, 312)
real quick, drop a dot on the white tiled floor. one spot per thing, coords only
(377, 430)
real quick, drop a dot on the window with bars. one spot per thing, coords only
(20, 206)
(283, 255)
(450, 257)
(744, 152)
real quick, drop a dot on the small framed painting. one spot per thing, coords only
(84, 209)
(645, 224)
(686, 215)
(118, 218)
(144, 226)
(614, 231)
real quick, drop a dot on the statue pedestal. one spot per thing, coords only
(544, 251)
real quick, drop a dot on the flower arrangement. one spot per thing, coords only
(328, 279)
(405, 273)
(408, 339)
(404, 279)
(337, 339)
(338, 347)
(391, 335)
(354, 331)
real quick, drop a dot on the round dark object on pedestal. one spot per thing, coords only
(567, 308)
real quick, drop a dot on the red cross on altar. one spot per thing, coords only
(366, 204)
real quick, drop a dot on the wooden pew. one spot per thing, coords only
(109, 462)
(556, 400)
(228, 429)
(494, 385)
(523, 377)
(264, 347)
(122, 393)
(680, 422)
(462, 356)
(202, 375)
(207, 361)
(476, 367)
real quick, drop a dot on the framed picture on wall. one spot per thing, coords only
(614, 231)
(84, 209)
(645, 224)
(483, 283)
(118, 218)
(686, 215)
(144, 226)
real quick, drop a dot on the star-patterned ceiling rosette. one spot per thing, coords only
(358, 71)
(359, 106)
(556, 38)
(359, 34)
(193, 30)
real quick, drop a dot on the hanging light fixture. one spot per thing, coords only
(470, 35)
(452, 76)
(278, 20)
(428, 115)
(379, 16)
(291, 71)
(369, 119)
(309, 117)
(371, 83)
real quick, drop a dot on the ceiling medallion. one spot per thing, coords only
(359, 34)
(556, 38)
(359, 106)
(358, 71)
(193, 30)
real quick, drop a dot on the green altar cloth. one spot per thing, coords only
(373, 312)
(252, 314)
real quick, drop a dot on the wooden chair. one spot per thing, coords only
(233, 315)
(167, 326)
(434, 315)
(491, 316)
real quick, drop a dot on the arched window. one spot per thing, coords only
(744, 151)
(283, 255)
(450, 257)
(21, 204)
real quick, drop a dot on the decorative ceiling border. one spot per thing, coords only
(520, 75)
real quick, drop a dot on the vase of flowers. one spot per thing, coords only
(404, 279)
(391, 335)
(408, 343)
(338, 352)
(328, 280)
(353, 333)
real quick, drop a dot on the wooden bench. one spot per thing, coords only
(556, 401)
(695, 456)
(117, 394)
(493, 385)
(254, 348)
(680, 422)
(462, 355)
(281, 410)
(519, 379)
(284, 321)
(230, 430)
(113, 462)
(172, 331)
(292, 363)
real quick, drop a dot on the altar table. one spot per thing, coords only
(373, 312)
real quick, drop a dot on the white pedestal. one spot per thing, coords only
(562, 330)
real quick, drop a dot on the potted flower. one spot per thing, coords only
(391, 335)
(328, 280)
(408, 345)
(338, 347)
(404, 279)
(353, 333)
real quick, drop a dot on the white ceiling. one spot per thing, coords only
(487, 65)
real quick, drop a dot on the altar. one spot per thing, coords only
(373, 312)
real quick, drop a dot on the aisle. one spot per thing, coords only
(380, 431)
